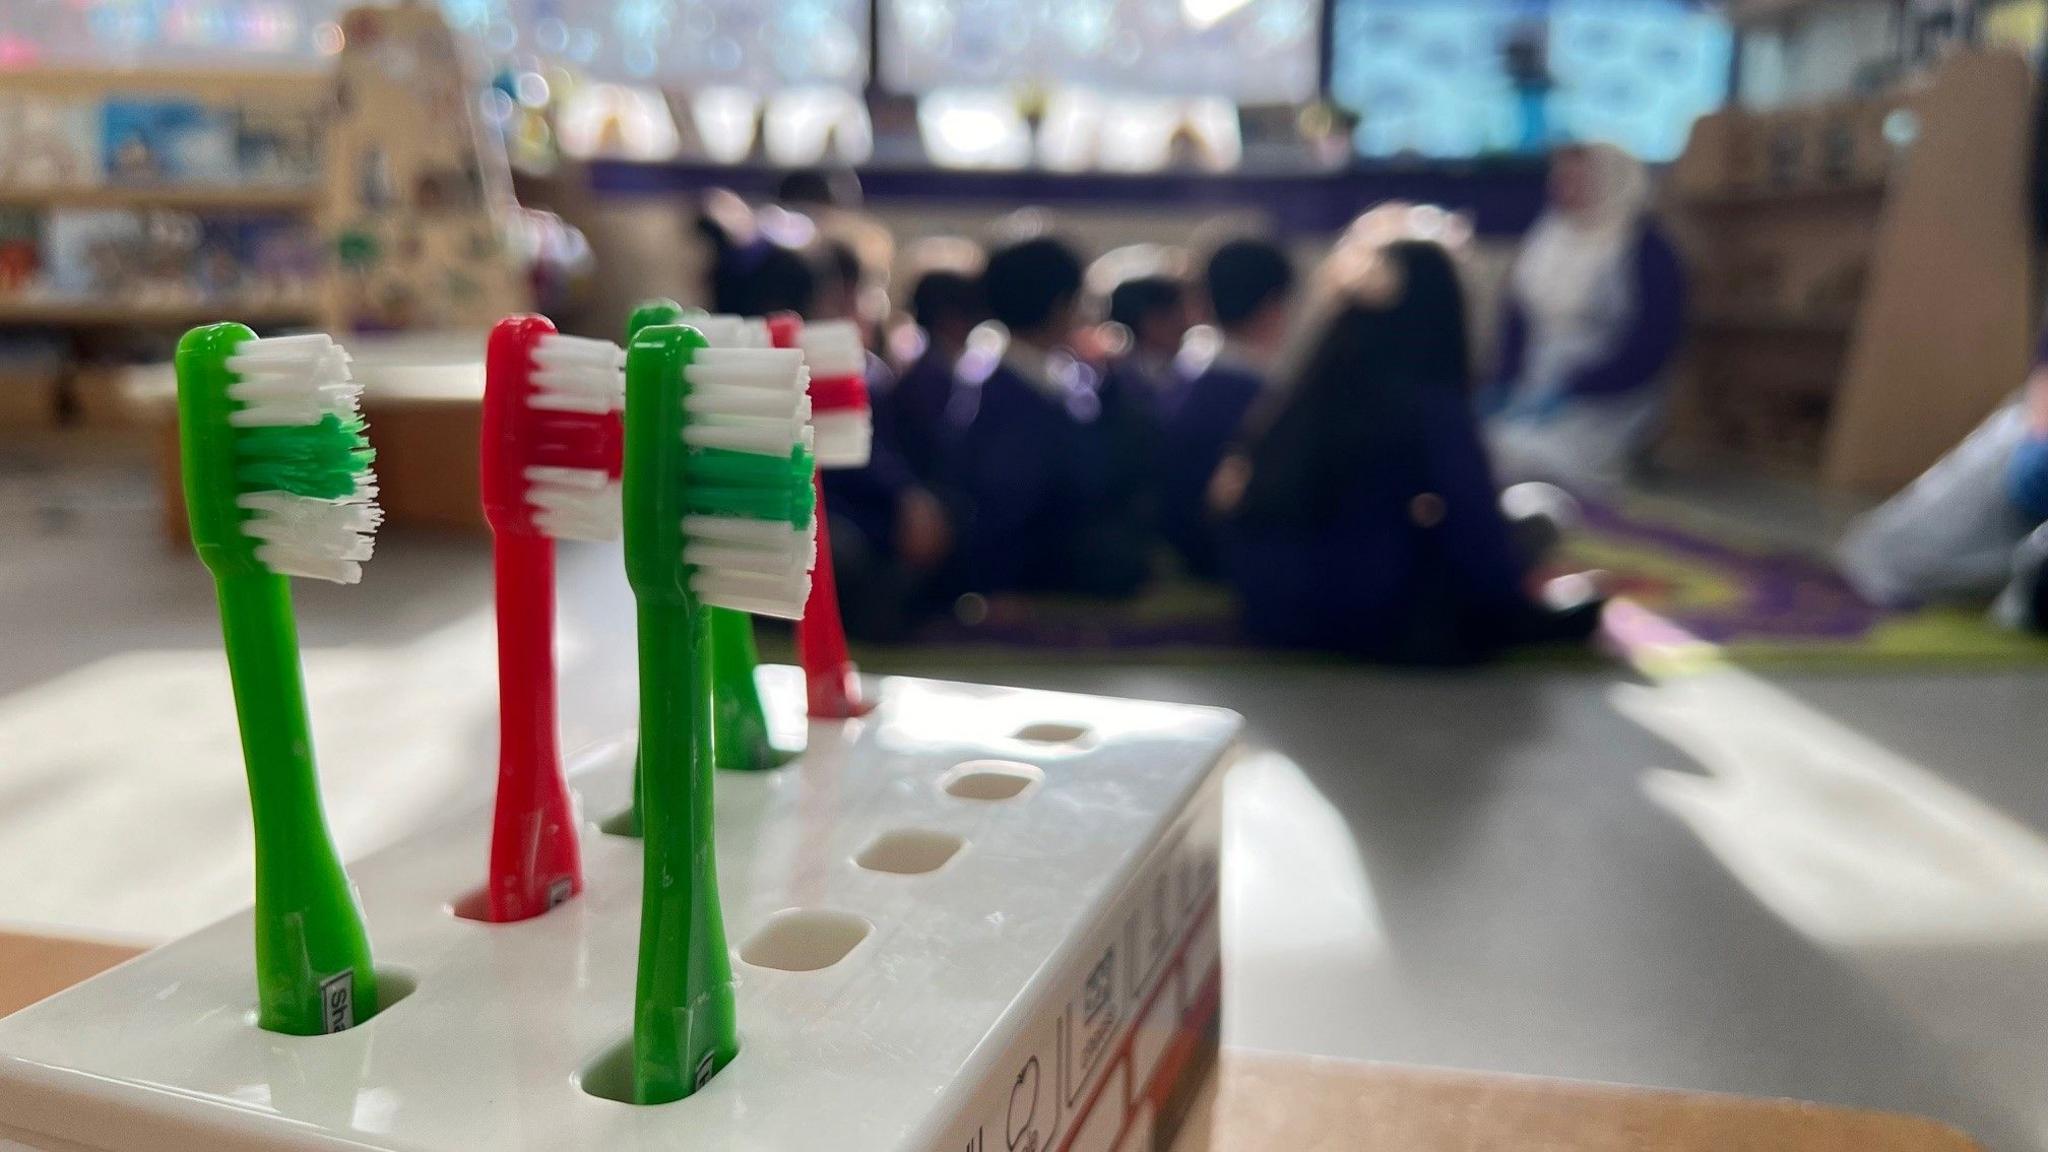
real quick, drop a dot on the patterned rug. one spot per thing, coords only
(1687, 595)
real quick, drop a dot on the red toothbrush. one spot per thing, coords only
(551, 458)
(839, 411)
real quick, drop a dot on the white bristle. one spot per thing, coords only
(833, 348)
(306, 536)
(753, 566)
(749, 400)
(724, 330)
(574, 503)
(577, 374)
(284, 380)
(845, 437)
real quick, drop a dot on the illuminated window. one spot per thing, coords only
(1636, 73)
(1425, 77)
(684, 44)
(165, 31)
(1249, 51)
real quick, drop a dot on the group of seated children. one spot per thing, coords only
(1323, 456)
(1328, 454)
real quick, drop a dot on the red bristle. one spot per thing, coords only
(839, 394)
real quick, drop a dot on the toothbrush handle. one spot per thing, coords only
(683, 1022)
(741, 742)
(831, 683)
(313, 970)
(535, 861)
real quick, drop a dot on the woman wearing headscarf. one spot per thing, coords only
(1364, 518)
(1595, 310)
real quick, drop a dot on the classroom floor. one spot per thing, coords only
(1833, 888)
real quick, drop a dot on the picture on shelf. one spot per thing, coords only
(48, 142)
(172, 257)
(277, 146)
(89, 251)
(145, 141)
(20, 249)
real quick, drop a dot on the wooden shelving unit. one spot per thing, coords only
(304, 92)
(1860, 271)
(408, 202)
(1825, 196)
(195, 198)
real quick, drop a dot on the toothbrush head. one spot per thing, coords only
(839, 391)
(551, 435)
(721, 330)
(276, 464)
(718, 473)
(660, 310)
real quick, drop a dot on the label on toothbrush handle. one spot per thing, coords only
(337, 999)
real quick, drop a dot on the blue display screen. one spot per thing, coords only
(1462, 78)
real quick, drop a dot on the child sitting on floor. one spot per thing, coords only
(1034, 460)
(1365, 518)
(1250, 285)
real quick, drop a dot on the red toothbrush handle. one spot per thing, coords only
(830, 680)
(535, 863)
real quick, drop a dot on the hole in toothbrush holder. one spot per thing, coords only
(475, 904)
(1055, 733)
(609, 1076)
(393, 986)
(910, 851)
(805, 939)
(620, 824)
(991, 780)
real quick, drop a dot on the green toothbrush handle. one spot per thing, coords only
(741, 744)
(683, 1025)
(313, 970)
(740, 741)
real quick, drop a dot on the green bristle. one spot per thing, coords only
(723, 482)
(325, 461)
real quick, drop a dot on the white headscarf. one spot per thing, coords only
(1569, 255)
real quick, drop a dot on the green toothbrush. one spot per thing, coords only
(277, 483)
(740, 738)
(717, 514)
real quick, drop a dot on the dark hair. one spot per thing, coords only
(1027, 281)
(843, 263)
(1137, 299)
(1360, 393)
(944, 295)
(814, 187)
(781, 280)
(756, 276)
(1244, 276)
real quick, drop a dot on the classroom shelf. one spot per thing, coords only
(1794, 196)
(102, 313)
(197, 198)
